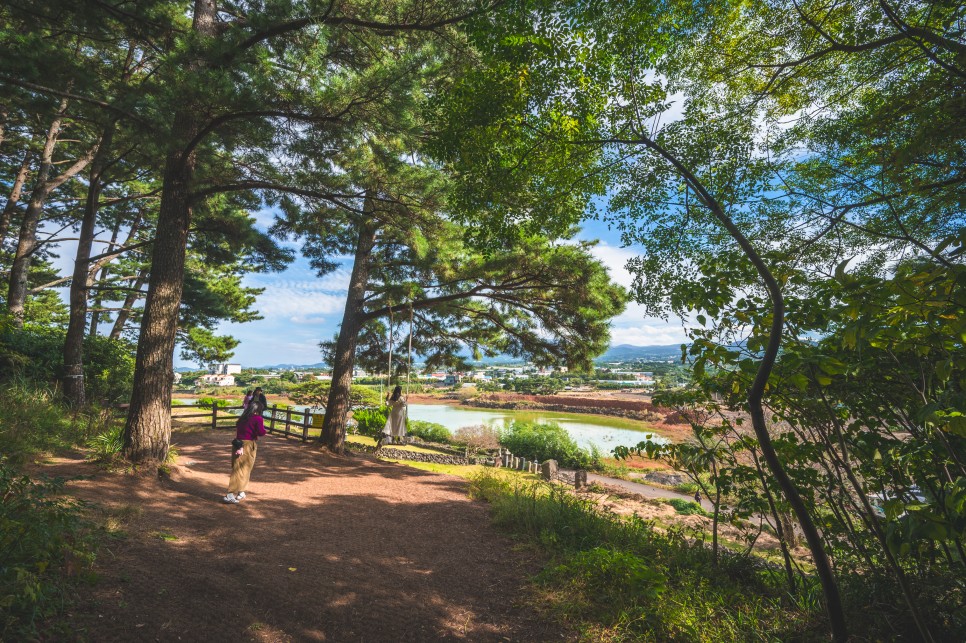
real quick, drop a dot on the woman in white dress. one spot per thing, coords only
(396, 422)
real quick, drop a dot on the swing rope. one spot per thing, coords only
(389, 372)
(409, 367)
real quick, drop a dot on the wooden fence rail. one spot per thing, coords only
(277, 421)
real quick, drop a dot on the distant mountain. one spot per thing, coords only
(290, 367)
(629, 353)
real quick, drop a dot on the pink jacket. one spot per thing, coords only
(252, 429)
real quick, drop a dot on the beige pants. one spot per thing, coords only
(241, 467)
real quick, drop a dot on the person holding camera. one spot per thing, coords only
(249, 427)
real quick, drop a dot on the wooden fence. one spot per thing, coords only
(277, 421)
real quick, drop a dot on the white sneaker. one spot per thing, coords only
(231, 499)
(241, 496)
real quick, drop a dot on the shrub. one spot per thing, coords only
(36, 353)
(687, 507)
(429, 431)
(480, 437)
(316, 393)
(370, 421)
(208, 402)
(32, 421)
(547, 441)
(618, 579)
(538, 385)
(42, 542)
(105, 446)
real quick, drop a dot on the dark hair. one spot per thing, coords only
(254, 408)
(396, 394)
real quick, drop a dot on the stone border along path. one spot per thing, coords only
(322, 549)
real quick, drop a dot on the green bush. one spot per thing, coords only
(429, 431)
(538, 385)
(36, 354)
(687, 507)
(619, 579)
(43, 541)
(105, 446)
(547, 441)
(32, 421)
(316, 393)
(208, 402)
(370, 421)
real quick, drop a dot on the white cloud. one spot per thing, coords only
(304, 299)
(615, 260)
(299, 304)
(648, 335)
(634, 326)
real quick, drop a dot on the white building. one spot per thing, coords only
(217, 380)
(225, 369)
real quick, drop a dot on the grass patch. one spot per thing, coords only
(45, 547)
(467, 471)
(365, 440)
(687, 507)
(115, 521)
(622, 579)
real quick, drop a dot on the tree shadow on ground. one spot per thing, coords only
(323, 549)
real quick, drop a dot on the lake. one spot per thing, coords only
(603, 431)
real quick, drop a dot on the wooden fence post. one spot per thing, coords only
(214, 415)
(288, 420)
(271, 420)
(305, 425)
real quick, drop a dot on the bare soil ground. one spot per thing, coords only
(323, 549)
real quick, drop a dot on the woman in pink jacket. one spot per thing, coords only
(249, 427)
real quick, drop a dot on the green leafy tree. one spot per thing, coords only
(204, 347)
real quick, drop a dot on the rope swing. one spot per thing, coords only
(392, 427)
(409, 357)
(389, 372)
(409, 367)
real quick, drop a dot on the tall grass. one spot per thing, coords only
(33, 421)
(625, 580)
(44, 542)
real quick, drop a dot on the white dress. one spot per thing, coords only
(396, 422)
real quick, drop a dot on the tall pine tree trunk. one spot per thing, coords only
(125, 312)
(337, 408)
(14, 197)
(147, 433)
(27, 242)
(74, 390)
(97, 300)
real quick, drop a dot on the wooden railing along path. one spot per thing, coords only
(277, 421)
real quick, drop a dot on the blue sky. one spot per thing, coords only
(300, 309)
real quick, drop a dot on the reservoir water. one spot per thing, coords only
(602, 431)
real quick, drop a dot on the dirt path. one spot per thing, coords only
(323, 549)
(646, 490)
